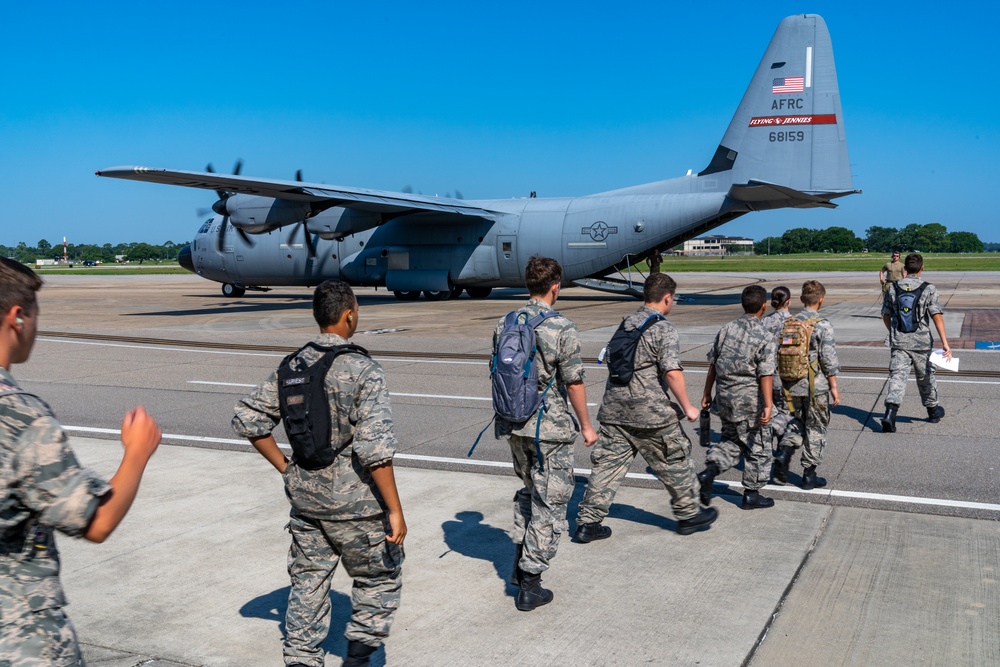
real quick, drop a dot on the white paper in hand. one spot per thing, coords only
(937, 358)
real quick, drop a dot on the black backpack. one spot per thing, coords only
(305, 407)
(906, 307)
(621, 351)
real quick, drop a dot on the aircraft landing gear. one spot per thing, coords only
(478, 292)
(412, 295)
(455, 292)
(232, 291)
(435, 295)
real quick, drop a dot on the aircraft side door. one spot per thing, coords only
(507, 257)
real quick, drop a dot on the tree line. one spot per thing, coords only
(107, 253)
(932, 237)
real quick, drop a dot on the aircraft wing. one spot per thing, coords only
(394, 204)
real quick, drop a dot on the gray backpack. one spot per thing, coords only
(514, 373)
(514, 368)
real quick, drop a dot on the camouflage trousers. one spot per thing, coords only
(899, 371)
(747, 439)
(34, 629)
(375, 565)
(667, 452)
(779, 415)
(808, 428)
(540, 507)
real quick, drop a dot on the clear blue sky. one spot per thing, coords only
(494, 100)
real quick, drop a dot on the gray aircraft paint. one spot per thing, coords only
(785, 147)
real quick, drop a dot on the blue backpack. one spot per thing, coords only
(906, 307)
(514, 372)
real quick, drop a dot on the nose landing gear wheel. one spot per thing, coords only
(232, 291)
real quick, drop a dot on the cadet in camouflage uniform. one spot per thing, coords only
(780, 298)
(640, 418)
(913, 348)
(811, 410)
(43, 489)
(540, 507)
(741, 360)
(347, 511)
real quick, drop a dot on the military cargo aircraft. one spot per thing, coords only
(785, 147)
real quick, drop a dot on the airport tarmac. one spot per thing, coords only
(895, 561)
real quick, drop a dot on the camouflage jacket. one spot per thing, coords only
(360, 417)
(822, 349)
(558, 346)
(743, 351)
(644, 402)
(774, 322)
(42, 489)
(927, 307)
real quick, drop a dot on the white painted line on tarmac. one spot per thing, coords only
(429, 361)
(391, 393)
(163, 349)
(911, 500)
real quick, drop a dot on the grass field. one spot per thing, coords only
(146, 269)
(731, 264)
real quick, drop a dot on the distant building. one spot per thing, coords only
(44, 262)
(716, 245)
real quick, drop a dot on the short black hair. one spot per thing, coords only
(914, 263)
(19, 286)
(541, 274)
(331, 300)
(754, 296)
(657, 286)
(780, 296)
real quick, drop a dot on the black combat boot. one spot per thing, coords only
(889, 420)
(515, 575)
(810, 481)
(706, 477)
(531, 593)
(700, 521)
(752, 500)
(781, 460)
(358, 654)
(934, 414)
(588, 532)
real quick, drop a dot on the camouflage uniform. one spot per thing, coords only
(337, 512)
(743, 352)
(812, 417)
(912, 348)
(540, 507)
(42, 489)
(779, 415)
(640, 418)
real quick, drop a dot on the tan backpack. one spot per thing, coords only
(793, 348)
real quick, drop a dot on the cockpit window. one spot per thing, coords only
(204, 228)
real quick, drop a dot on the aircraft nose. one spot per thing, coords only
(184, 258)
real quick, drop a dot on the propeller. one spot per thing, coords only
(310, 246)
(220, 208)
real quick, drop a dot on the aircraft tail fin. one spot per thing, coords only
(788, 132)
